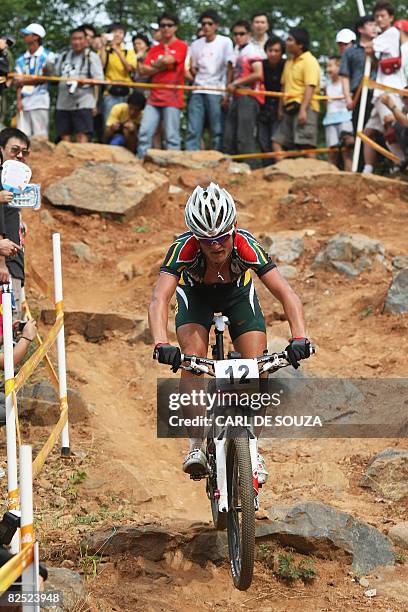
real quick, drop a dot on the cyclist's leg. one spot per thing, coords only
(193, 322)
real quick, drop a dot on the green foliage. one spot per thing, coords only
(77, 478)
(289, 571)
(400, 558)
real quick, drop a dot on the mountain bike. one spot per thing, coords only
(232, 467)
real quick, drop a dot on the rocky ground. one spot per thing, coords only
(119, 512)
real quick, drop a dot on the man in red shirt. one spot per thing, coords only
(164, 63)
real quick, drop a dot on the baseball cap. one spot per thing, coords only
(402, 24)
(345, 36)
(34, 28)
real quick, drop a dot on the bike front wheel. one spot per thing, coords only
(241, 513)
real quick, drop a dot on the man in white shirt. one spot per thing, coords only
(402, 25)
(209, 57)
(259, 29)
(385, 47)
(33, 98)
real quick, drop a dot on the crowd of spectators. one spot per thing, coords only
(219, 115)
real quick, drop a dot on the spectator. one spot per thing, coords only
(386, 47)
(14, 144)
(91, 35)
(268, 117)
(165, 64)
(141, 45)
(155, 33)
(5, 61)
(124, 120)
(344, 40)
(402, 25)
(209, 57)
(244, 71)
(301, 77)
(118, 64)
(260, 27)
(337, 121)
(76, 103)
(352, 66)
(33, 98)
(95, 43)
(401, 126)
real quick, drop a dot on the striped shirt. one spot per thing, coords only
(34, 96)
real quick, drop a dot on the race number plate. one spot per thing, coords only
(229, 372)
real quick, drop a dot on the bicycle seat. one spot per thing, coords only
(220, 322)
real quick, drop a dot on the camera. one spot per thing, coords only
(8, 527)
(109, 37)
(10, 40)
(72, 87)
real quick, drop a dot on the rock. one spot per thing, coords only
(295, 168)
(396, 300)
(399, 535)
(399, 263)
(284, 246)
(119, 190)
(187, 159)
(391, 582)
(196, 542)
(93, 325)
(70, 585)
(39, 403)
(370, 593)
(364, 582)
(288, 272)
(120, 478)
(318, 529)
(387, 474)
(173, 189)
(350, 254)
(287, 199)
(191, 178)
(46, 217)
(40, 145)
(239, 168)
(83, 252)
(95, 152)
(126, 269)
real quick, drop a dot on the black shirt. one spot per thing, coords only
(11, 228)
(272, 81)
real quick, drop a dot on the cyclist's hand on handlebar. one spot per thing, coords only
(166, 353)
(298, 348)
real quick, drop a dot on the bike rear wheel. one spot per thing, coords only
(241, 513)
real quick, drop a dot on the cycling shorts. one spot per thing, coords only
(240, 304)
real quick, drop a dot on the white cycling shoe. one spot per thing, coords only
(262, 471)
(195, 463)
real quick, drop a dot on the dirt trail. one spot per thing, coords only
(138, 478)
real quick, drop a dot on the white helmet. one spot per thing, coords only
(210, 211)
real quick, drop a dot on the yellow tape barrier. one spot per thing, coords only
(283, 154)
(135, 85)
(13, 499)
(39, 281)
(13, 568)
(374, 85)
(49, 445)
(30, 365)
(378, 147)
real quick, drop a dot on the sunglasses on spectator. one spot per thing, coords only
(16, 150)
(166, 25)
(239, 33)
(218, 239)
(209, 23)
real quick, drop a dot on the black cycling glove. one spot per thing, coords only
(166, 353)
(298, 348)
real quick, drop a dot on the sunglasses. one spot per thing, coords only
(16, 150)
(239, 33)
(209, 23)
(217, 240)
(167, 25)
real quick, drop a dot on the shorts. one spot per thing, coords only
(198, 305)
(34, 122)
(376, 120)
(333, 132)
(79, 121)
(291, 135)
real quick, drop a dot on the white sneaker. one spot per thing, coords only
(195, 463)
(262, 471)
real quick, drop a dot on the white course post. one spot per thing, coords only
(62, 370)
(12, 482)
(29, 579)
(363, 101)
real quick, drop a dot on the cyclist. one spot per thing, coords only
(209, 269)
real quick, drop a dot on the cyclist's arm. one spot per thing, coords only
(290, 301)
(159, 306)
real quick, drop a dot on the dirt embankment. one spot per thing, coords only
(123, 474)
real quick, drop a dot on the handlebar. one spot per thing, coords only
(202, 365)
